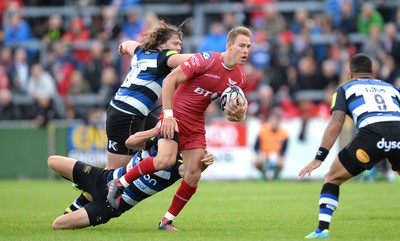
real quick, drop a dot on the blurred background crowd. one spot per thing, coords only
(62, 55)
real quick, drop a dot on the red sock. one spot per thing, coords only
(182, 196)
(142, 168)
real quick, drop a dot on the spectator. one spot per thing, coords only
(301, 16)
(78, 84)
(77, 34)
(369, 17)
(92, 70)
(18, 32)
(389, 72)
(260, 55)
(110, 28)
(132, 26)
(348, 20)
(391, 45)
(215, 40)
(329, 73)
(372, 46)
(41, 87)
(20, 71)
(341, 49)
(7, 108)
(109, 85)
(54, 29)
(274, 22)
(6, 61)
(308, 75)
(271, 146)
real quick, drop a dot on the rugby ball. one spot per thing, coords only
(232, 92)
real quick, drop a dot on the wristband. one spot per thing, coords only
(168, 113)
(321, 153)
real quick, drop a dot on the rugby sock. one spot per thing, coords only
(182, 196)
(328, 202)
(77, 204)
(142, 168)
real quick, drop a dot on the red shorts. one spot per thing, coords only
(192, 133)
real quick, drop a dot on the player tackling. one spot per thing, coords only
(200, 80)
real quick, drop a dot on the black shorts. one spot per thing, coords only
(371, 145)
(93, 180)
(119, 126)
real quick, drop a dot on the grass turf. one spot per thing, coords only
(219, 211)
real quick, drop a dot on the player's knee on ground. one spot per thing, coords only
(51, 160)
(58, 224)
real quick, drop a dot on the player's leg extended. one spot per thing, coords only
(62, 165)
(329, 198)
(115, 161)
(77, 219)
(192, 160)
(166, 156)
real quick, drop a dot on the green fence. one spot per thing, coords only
(24, 149)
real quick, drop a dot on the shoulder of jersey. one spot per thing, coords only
(206, 55)
(171, 52)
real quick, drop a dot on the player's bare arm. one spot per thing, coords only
(138, 140)
(172, 80)
(128, 47)
(177, 59)
(331, 133)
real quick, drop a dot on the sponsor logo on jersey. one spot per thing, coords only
(202, 91)
(206, 55)
(113, 145)
(195, 61)
(213, 76)
(86, 169)
(231, 81)
(171, 52)
(187, 64)
(387, 145)
(362, 156)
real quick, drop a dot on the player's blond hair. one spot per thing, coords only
(161, 34)
(241, 30)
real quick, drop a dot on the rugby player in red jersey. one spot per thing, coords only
(200, 79)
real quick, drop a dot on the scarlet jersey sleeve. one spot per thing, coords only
(198, 63)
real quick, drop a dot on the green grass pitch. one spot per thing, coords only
(219, 211)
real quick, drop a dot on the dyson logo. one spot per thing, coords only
(388, 145)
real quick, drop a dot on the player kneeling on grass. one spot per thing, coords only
(93, 181)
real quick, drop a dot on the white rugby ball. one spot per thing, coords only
(232, 92)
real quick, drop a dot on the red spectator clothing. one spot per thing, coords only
(73, 35)
(207, 79)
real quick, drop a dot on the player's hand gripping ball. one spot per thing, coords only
(232, 92)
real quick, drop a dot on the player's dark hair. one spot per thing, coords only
(161, 34)
(360, 63)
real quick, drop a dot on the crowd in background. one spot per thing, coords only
(285, 70)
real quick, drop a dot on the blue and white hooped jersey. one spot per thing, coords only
(142, 85)
(368, 101)
(146, 185)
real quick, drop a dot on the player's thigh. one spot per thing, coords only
(166, 155)
(192, 160)
(62, 165)
(337, 173)
(115, 160)
(76, 219)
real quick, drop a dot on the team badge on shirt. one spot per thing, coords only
(206, 55)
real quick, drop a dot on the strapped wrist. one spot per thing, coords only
(321, 154)
(168, 113)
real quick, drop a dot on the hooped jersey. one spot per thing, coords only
(142, 85)
(368, 101)
(146, 185)
(207, 79)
